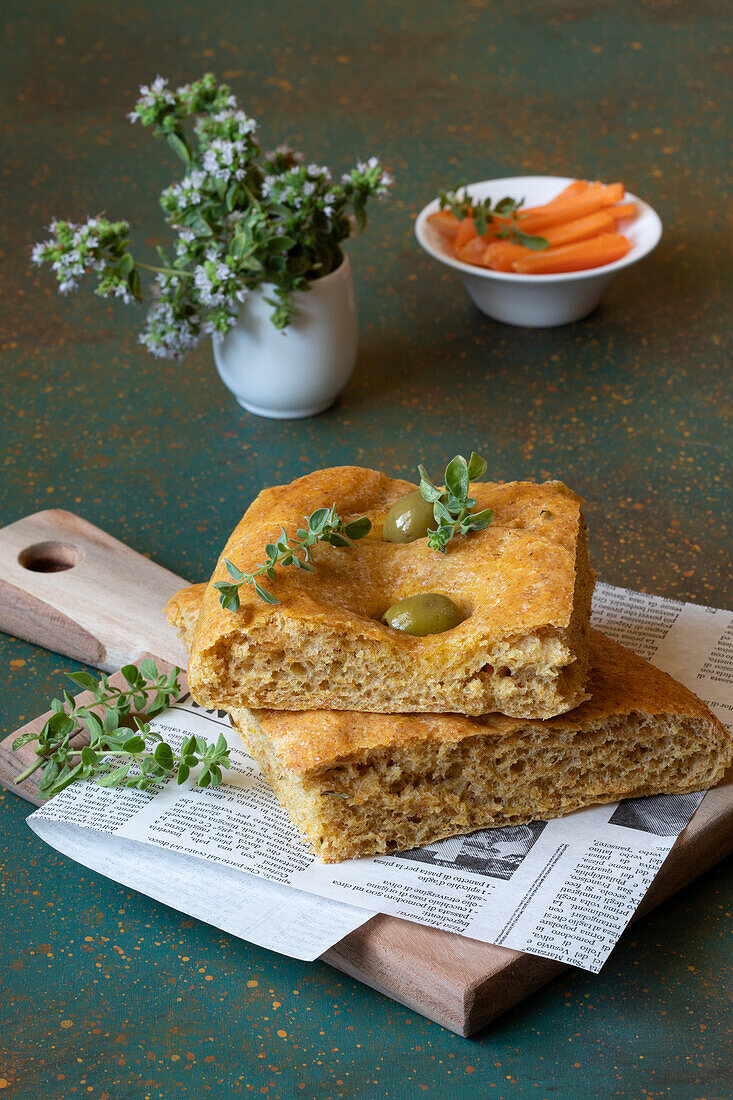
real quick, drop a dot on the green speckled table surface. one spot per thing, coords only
(108, 994)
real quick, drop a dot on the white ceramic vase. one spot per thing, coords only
(299, 371)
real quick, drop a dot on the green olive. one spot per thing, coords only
(408, 519)
(428, 613)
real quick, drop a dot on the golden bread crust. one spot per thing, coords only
(524, 584)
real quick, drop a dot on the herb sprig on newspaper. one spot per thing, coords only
(452, 505)
(324, 525)
(118, 755)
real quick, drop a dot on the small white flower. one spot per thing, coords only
(385, 182)
(245, 125)
(168, 336)
(320, 171)
(221, 156)
(204, 285)
(38, 250)
(150, 94)
(270, 186)
(121, 290)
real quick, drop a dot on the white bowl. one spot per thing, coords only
(538, 301)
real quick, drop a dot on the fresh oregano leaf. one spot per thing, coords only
(324, 525)
(452, 505)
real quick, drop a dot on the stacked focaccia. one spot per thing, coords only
(375, 740)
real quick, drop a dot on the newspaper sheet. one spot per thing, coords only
(564, 889)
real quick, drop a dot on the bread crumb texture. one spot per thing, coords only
(367, 784)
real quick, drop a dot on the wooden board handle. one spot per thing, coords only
(69, 586)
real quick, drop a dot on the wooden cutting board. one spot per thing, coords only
(68, 586)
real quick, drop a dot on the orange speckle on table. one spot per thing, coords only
(252, 983)
(67, 1023)
(18, 663)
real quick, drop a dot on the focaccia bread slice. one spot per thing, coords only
(367, 784)
(524, 584)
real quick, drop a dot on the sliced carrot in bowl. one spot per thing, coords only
(445, 222)
(595, 197)
(623, 210)
(579, 229)
(473, 251)
(500, 255)
(605, 249)
(466, 232)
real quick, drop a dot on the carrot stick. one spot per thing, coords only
(577, 187)
(500, 255)
(572, 191)
(466, 232)
(575, 257)
(596, 197)
(472, 252)
(580, 229)
(565, 198)
(445, 223)
(623, 210)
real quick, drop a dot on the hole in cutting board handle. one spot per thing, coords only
(50, 557)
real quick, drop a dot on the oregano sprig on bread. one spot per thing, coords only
(118, 755)
(452, 505)
(324, 525)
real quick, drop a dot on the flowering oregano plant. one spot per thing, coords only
(241, 217)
